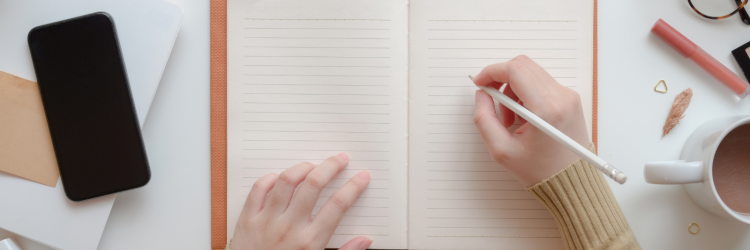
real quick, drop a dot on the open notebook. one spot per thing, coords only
(386, 81)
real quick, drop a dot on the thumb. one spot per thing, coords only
(359, 243)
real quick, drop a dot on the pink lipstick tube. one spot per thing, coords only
(689, 50)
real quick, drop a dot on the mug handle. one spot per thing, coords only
(673, 172)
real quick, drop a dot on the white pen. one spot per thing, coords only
(563, 139)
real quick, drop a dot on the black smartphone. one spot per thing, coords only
(86, 97)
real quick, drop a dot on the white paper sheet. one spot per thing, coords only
(310, 79)
(459, 197)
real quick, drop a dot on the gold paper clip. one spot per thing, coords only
(656, 88)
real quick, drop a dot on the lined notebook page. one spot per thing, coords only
(310, 79)
(459, 197)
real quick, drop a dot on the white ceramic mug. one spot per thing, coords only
(694, 169)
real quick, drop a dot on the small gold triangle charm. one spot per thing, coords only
(656, 88)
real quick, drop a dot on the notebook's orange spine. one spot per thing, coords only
(595, 105)
(218, 124)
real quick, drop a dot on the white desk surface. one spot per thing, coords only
(173, 211)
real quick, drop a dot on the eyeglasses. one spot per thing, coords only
(720, 9)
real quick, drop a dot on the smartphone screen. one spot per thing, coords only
(89, 108)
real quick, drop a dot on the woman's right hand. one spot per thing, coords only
(528, 153)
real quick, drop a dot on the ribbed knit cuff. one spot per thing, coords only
(585, 209)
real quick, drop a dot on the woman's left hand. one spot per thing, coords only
(274, 217)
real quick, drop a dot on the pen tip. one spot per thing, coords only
(471, 77)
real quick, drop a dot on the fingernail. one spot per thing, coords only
(344, 156)
(364, 175)
(365, 244)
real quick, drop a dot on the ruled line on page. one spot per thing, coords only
(339, 57)
(316, 66)
(513, 30)
(484, 199)
(500, 227)
(505, 58)
(478, 180)
(503, 39)
(481, 67)
(310, 28)
(320, 113)
(484, 208)
(491, 236)
(322, 19)
(314, 141)
(508, 21)
(469, 171)
(525, 49)
(363, 234)
(298, 47)
(299, 37)
(319, 103)
(486, 218)
(290, 75)
(371, 123)
(319, 84)
(302, 159)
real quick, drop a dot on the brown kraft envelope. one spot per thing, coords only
(25, 143)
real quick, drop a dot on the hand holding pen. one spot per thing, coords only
(529, 153)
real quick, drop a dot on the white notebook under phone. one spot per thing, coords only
(146, 31)
(385, 81)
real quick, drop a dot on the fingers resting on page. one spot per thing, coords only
(529, 154)
(275, 217)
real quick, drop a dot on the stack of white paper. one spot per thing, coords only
(147, 30)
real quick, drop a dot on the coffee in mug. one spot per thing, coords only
(731, 169)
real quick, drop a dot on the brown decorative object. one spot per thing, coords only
(679, 106)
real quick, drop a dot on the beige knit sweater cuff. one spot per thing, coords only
(585, 209)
